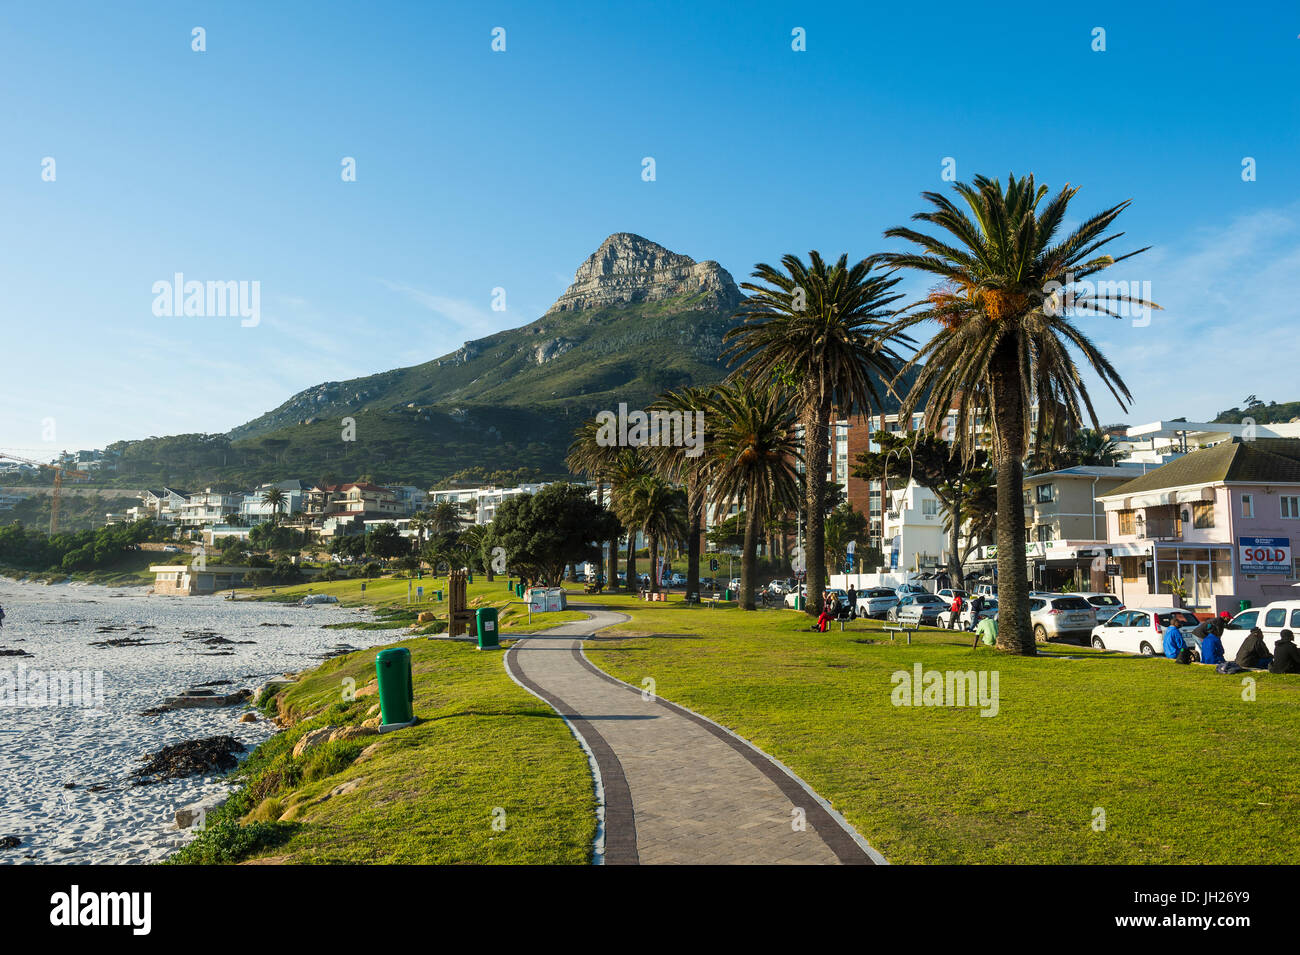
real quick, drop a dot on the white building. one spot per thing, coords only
(478, 505)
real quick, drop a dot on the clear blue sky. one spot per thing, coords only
(478, 169)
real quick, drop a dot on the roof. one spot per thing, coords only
(1262, 461)
(1089, 471)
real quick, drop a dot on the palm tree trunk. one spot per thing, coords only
(1014, 633)
(631, 560)
(654, 563)
(695, 506)
(814, 418)
(954, 561)
(747, 559)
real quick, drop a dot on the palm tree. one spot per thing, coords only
(655, 508)
(686, 465)
(1094, 448)
(819, 330)
(628, 467)
(1003, 339)
(275, 497)
(751, 462)
(444, 518)
(589, 457)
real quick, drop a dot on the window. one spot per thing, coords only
(929, 507)
(1290, 506)
(1139, 620)
(1203, 514)
(1295, 618)
(1247, 505)
(1276, 617)
(1046, 532)
(1244, 621)
(1036, 605)
(1127, 523)
(1120, 619)
(1044, 493)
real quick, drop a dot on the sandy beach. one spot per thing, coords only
(66, 757)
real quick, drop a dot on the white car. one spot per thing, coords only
(949, 592)
(1271, 619)
(1106, 605)
(876, 602)
(1141, 630)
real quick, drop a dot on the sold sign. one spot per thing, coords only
(1264, 555)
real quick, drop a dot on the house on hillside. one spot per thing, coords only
(1220, 518)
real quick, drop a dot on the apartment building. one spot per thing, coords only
(1220, 520)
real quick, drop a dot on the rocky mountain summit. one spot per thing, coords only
(628, 269)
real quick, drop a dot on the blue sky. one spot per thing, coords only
(478, 169)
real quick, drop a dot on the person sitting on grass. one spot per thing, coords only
(1175, 645)
(987, 631)
(1253, 653)
(1286, 656)
(1212, 642)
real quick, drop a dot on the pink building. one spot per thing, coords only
(1222, 519)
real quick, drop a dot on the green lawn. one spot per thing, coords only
(1184, 769)
(426, 794)
(390, 593)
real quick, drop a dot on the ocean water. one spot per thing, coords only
(54, 737)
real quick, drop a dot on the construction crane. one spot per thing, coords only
(59, 470)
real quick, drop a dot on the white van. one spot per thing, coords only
(1272, 619)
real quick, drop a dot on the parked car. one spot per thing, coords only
(966, 619)
(733, 584)
(949, 592)
(876, 602)
(677, 580)
(1142, 630)
(1061, 616)
(986, 590)
(1271, 619)
(781, 586)
(708, 583)
(916, 609)
(792, 596)
(171, 549)
(1105, 605)
(907, 590)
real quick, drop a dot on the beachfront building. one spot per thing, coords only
(478, 505)
(181, 580)
(254, 509)
(410, 499)
(1219, 521)
(1159, 442)
(161, 504)
(208, 507)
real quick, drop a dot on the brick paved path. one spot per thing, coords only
(675, 787)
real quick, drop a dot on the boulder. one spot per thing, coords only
(370, 689)
(248, 718)
(374, 722)
(313, 739)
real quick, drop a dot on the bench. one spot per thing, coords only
(895, 629)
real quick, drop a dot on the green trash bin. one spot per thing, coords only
(485, 619)
(799, 602)
(396, 692)
(519, 591)
(1243, 605)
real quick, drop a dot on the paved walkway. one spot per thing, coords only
(676, 788)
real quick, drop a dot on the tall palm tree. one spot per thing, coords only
(751, 462)
(819, 329)
(596, 461)
(444, 518)
(276, 498)
(1004, 338)
(655, 508)
(627, 467)
(686, 466)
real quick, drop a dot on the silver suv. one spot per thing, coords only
(1061, 616)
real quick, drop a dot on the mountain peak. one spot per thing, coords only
(629, 268)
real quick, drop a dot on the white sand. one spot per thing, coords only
(44, 747)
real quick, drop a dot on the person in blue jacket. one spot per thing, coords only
(1174, 642)
(1211, 644)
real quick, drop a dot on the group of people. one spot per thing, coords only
(959, 604)
(1251, 655)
